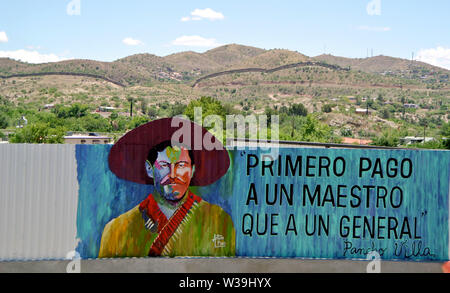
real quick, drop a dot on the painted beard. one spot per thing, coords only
(171, 189)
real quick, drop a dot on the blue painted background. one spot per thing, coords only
(102, 197)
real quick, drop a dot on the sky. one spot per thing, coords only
(39, 31)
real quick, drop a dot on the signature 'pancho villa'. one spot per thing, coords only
(172, 221)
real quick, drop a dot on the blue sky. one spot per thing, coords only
(51, 30)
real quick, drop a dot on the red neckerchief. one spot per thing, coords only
(166, 228)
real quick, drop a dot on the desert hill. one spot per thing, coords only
(141, 69)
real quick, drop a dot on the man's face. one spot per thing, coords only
(172, 172)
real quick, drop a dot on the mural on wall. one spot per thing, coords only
(343, 203)
(172, 220)
(146, 196)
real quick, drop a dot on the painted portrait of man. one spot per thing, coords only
(172, 220)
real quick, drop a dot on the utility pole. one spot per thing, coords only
(131, 100)
(367, 106)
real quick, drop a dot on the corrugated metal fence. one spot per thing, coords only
(38, 201)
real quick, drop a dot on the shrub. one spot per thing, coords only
(327, 108)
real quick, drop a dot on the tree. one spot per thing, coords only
(39, 133)
(298, 110)
(94, 122)
(144, 105)
(445, 132)
(114, 116)
(152, 113)
(3, 121)
(403, 99)
(327, 108)
(77, 110)
(385, 113)
(313, 130)
(387, 139)
(177, 109)
(138, 121)
(346, 132)
(209, 106)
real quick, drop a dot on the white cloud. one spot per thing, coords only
(207, 13)
(3, 37)
(374, 28)
(34, 47)
(439, 56)
(31, 56)
(195, 41)
(131, 42)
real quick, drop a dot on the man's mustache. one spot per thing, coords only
(175, 180)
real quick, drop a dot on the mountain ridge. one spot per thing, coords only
(189, 66)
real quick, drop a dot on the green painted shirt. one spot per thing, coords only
(206, 230)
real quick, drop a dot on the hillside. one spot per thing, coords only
(233, 54)
(278, 79)
(186, 67)
(272, 58)
(386, 65)
(191, 62)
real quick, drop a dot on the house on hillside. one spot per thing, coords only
(411, 106)
(413, 139)
(106, 109)
(49, 106)
(361, 111)
(91, 138)
(163, 75)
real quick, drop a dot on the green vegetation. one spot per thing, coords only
(327, 108)
(3, 121)
(295, 123)
(388, 139)
(314, 103)
(298, 110)
(39, 133)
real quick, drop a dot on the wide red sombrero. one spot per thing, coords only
(127, 157)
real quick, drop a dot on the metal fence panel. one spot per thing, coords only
(38, 201)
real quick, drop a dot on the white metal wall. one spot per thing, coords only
(38, 201)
